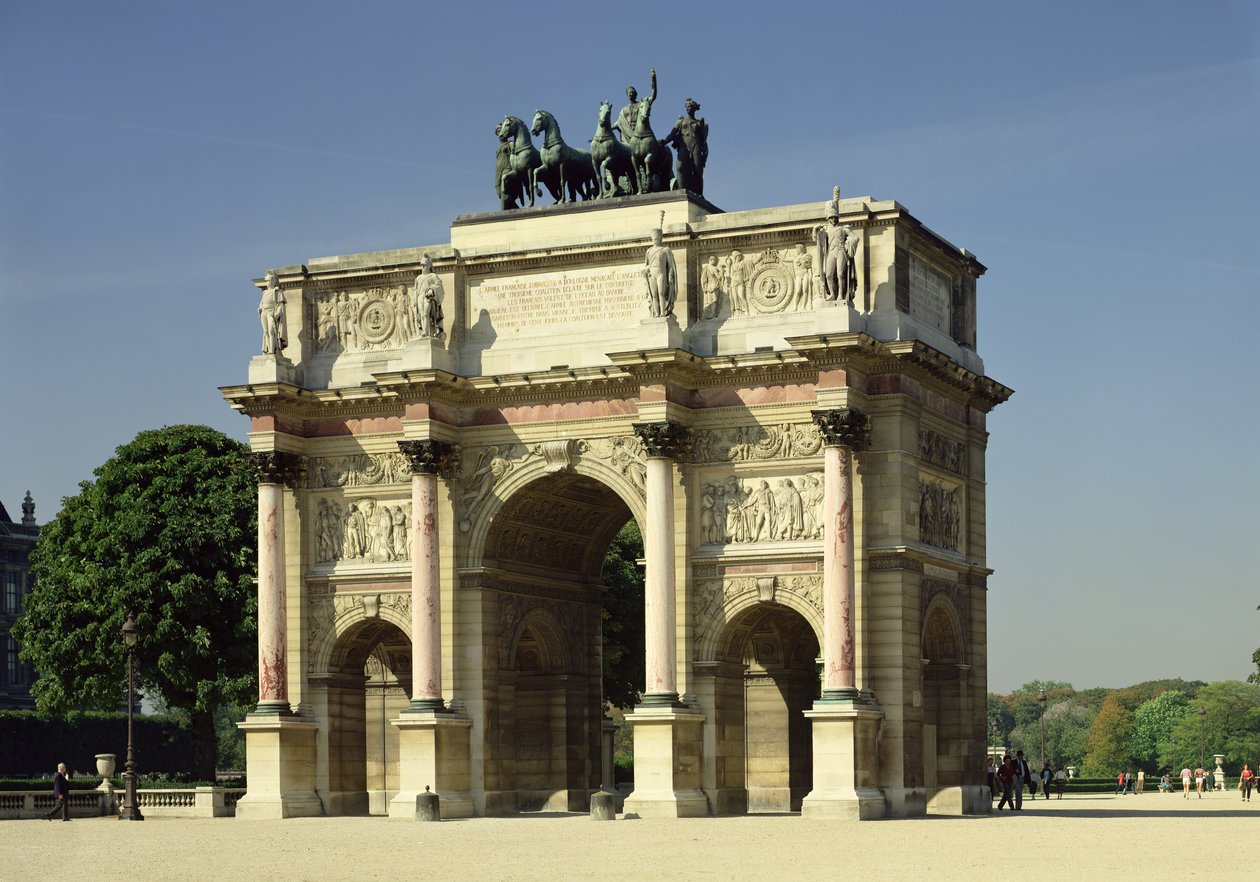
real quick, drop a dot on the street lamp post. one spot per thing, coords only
(1202, 716)
(130, 807)
(1041, 700)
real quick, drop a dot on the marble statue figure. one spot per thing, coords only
(427, 301)
(662, 276)
(838, 271)
(271, 314)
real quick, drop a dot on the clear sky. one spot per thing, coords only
(1099, 158)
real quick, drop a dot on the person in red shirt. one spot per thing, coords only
(1006, 774)
(1244, 782)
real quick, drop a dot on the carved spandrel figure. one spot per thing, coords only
(628, 119)
(690, 139)
(662, 276)
(427, 302)
(802, 278)
(271, 314)
(837, 247)
(711, 285)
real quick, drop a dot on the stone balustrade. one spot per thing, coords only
(191, 802)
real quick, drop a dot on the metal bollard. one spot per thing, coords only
(603, 806)
(428, 806)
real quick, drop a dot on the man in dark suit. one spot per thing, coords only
(61, 793)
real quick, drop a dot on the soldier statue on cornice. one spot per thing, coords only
(837, 249)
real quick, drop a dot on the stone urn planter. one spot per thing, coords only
(105, 765)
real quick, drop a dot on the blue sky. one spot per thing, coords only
(1098, 158)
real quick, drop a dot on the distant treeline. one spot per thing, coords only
(1156, 726)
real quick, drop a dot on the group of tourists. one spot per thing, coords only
(1014, 774)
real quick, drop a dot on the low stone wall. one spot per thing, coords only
(192, 802)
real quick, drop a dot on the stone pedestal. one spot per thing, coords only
(273, 369)
(427, 353)
(968, 800)
(660, 333)
(666, 764)
(279, 768)
(433, 752)
(845, 764)
(837, 317)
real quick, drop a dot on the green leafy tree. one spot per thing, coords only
(624, 673)
(1153, 723)
(1109, 746)
(168, 531)
(1229, 724)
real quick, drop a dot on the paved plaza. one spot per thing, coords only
(1086, 837)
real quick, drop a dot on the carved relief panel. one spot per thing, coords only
(381, 317)
(770, 509)
(940, 513)
(769, 282)
(363, 529)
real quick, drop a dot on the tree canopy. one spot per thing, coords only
(167, 531)
(624, 673)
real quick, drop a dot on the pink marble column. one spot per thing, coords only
(274, 469)
(426, 584)
(843, 431)
(660, 442)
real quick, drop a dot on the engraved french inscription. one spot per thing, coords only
(540, 304)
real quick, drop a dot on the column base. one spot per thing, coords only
(661, 332)
(667, 748)
(425, 706)
(279, 768)
(433, 752)
(272, 709)
(273, 369)
(846, 764)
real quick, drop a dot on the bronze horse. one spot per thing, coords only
(565, 168)
(614, 165)
(653, 162)
(508, 185)
(524, 158)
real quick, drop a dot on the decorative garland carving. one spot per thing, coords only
(737, 511)
(940, 515)
(357, 470)
(363, 529)
(942, 451)
(755, 443)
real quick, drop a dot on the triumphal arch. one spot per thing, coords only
(789, 403)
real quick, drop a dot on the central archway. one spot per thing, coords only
(765, 677)
(542, 561)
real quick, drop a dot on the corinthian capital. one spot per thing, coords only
(430, 457)
(843, 427)
(277, 467)
(663, 439)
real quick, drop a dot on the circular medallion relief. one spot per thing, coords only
(376, 321)
(771, 288)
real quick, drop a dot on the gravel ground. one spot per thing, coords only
(1077, 838)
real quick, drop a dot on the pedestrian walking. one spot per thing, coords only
(1200, 778)
(1006, 775)
(1244, 782)
(1060, 781)
(1046, 776)
(1141, 781)
(61, 794)
(1185, 782)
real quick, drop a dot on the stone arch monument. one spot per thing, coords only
(447, 439)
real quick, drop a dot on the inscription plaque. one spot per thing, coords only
(929, 294)
(573, 301)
